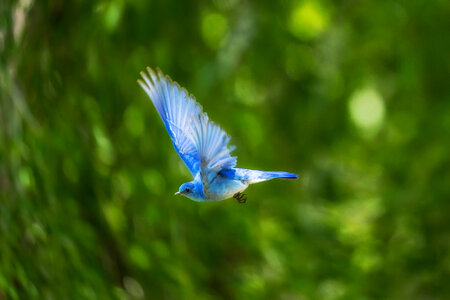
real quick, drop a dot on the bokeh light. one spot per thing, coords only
(308, 20)
(366, 107)
(214, 29)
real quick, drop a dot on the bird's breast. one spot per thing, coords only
(223, 188)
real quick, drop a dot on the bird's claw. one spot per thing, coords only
(240, 197)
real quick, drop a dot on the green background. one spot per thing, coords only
(352, 95)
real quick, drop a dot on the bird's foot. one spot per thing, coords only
(240, 197)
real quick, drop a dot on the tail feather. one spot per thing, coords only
(259, 176)
(254, 176)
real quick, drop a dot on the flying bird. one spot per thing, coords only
(201, 144)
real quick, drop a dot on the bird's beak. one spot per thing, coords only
(177, 193)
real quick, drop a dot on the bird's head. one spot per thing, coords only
(193, 190)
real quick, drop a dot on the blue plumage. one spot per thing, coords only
(201, 144)
(254, 176)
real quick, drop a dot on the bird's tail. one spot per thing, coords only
(254, 176)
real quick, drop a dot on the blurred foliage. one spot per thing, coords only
(352, 95)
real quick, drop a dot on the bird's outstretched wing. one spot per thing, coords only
(201, 144)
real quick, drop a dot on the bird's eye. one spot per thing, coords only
(188, 190)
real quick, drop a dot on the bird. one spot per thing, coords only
(202, 144)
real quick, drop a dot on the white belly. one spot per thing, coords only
(222, 188)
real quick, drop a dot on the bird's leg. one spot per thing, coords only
(240, 197)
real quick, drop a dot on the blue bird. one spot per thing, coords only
(201, 144)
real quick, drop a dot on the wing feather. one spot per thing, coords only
(201, 144)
